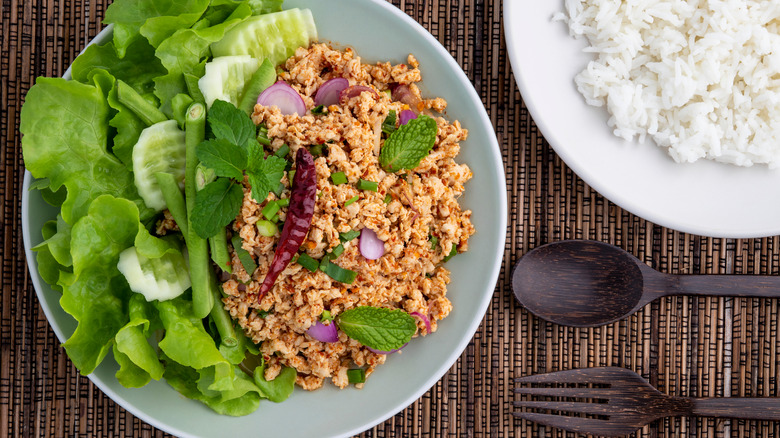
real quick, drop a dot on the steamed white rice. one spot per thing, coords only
(699, 77)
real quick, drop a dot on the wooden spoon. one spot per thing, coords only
(584, 283)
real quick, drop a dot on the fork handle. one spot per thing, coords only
(767, 408)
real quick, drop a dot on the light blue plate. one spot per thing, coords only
(378, 32)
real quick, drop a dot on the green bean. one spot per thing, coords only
(175, 200)
(222, 320)
(200, 268)
(145, 111)
(219, 251)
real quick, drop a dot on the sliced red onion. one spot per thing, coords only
(403, 94)
(329, 92)
(354, 91)
(406, 115)
(371, 247)
(284, 97)
(324, 333)
(424, 319)
(411, 206)
(386, 352)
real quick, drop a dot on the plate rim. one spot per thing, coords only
(513, 8)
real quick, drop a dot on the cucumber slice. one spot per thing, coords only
(272, 36)
(160, 148)
(225, 78)
(160, 279)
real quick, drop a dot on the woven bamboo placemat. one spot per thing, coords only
(684, 346)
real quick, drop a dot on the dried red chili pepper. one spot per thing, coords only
(298, 220)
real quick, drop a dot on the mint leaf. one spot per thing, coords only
(264, 174)
(230, 123)
(216, 206)
(226, 158)
(409, 144)
(378, 328)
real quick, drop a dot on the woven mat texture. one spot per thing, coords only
(684, 346)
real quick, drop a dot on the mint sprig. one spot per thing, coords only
(408, 144)
(233, 153)
(378, 328)
(224, 157)
(216, 206)
(229, 123)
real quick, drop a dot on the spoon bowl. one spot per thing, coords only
(584, 283)
(578, 283)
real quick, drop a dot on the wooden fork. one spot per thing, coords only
(619, 401)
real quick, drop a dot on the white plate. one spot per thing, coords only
(379, 32)
(706, 198)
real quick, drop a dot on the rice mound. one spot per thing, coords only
(701, 78)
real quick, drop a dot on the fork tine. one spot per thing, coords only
(575, 407)
(598, 393)
(578, 424)
(603, 375)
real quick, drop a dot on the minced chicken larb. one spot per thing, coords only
(419, 225)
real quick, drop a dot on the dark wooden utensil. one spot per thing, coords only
(621, 402)
(585, 283)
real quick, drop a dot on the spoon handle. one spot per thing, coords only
(767, 408)
(762, 286)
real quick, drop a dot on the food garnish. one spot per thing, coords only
(299, 214)
(408, 144)
(378, 328)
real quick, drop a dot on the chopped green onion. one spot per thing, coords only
(358, 375)
(452, 253)
(388, 126)
(338, 178)
(319, 110)
(262, 136)
(270, 209)
(325, 260)
(267, 228)
(316, 149)
(283, 202)
(367, 185)
(308, 262)
(351, 200)
(434, 241)
(349, 235)
(243, 255)
(283, 151)
(338, 250)
(290, 176)
(338, 273)
(326, 316)
(388, 198)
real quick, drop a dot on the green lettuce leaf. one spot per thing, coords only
(278, 389)
(185, 53)
(187, 342)
(95, 292)
(132, 343)
(129, 374)
(65, 135)
(153, 19)
(246, 396)
(137, 68)
(48, 266)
